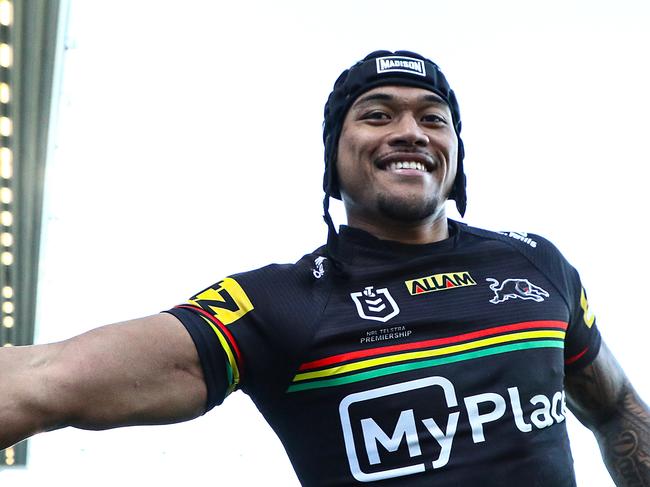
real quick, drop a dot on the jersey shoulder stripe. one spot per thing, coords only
(228, 344)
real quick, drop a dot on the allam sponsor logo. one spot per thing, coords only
(397, 445)
(439, 282)
(402, 64)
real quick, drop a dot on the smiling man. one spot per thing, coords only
(397, 162)
(410, 350)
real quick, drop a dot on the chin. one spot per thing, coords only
(409, 209)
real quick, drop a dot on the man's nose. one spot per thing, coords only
(407, 131)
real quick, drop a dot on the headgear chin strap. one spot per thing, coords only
(380, 68)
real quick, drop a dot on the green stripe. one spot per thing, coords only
(229, 373)
(394, 369)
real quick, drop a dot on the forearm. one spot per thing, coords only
(602, 398)
(625, 442)
(23, 386)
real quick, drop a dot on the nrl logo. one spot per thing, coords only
(515, 288)
(375, 304)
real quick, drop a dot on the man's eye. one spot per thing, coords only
(434, 118)
(376, 115)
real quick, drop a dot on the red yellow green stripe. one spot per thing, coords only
(402, 357)
(344, 357)
(424, 364)
(227, 343)
(233, 370)
(376, 362)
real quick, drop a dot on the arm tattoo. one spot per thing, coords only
(602, 398)
(625, 444)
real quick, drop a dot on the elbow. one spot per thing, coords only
(624, 405)
(51, 388)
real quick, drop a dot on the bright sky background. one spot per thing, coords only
(187, 146)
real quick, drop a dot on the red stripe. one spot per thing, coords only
(344, 357)
(575, 358)
(221, 327)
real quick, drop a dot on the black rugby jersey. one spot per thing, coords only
(406, 365)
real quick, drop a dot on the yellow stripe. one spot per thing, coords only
(587, 315)
(231, 358)
(364, 364)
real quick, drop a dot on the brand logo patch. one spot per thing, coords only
(439, 282)
(375, 304)
(226, 301)
(402, 64)
(515, 289)
(521, 236)
(385, 436)
(319, 271)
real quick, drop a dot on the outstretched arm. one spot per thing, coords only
(144, 371)
(602, 398)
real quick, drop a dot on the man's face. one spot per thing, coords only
(397, 155)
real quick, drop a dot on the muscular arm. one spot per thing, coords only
(144, 371)
(602, 398)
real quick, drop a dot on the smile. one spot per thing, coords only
(418, 166)
(406, 161)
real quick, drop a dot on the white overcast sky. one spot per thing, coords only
(187, 146)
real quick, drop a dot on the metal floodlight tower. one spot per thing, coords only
(29, 42)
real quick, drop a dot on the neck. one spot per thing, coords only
(430, 230)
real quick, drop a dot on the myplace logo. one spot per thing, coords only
(407, 428)
(402, 64)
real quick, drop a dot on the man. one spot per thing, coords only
(410, 350)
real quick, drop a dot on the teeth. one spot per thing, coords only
(393, 166)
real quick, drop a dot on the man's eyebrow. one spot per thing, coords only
(435, 99)
(374, 97)
(432, 98)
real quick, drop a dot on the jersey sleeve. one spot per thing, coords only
(250, 329)
(217, 370)
(207, 316)
(583, 340)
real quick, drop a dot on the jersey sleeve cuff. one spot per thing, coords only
(213, 358)
(585, 356)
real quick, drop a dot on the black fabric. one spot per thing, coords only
(546, 257)
(364, 76)
(461, 383)
(211, 354)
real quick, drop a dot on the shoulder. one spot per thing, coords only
(530, 244)
(516, 239)
(265, 288)
(309, 267)
(539, 251)
(277, 286)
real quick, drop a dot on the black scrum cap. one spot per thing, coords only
(380, 68)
